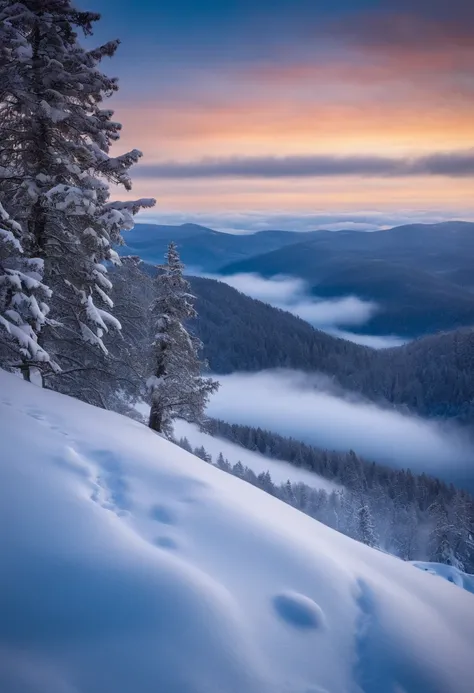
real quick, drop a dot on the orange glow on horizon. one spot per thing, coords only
(344, 194)
(395, 100)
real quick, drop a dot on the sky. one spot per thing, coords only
(295, 109)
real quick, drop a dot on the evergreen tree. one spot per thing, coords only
(366, 533)
(265, 482)
(287, 493)
(202, 453)
(238, 470)
(23, 307)
(223, 463)
(55, 163)
(185, 444)
(176, 386)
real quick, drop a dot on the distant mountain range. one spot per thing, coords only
(203, 248)
(421, 276)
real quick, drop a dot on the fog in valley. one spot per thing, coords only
(292, 294)
(308, 408)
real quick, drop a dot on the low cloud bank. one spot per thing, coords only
(293, 295)
(303, 406)
(457, 164)
(370, 340)
(237, 222)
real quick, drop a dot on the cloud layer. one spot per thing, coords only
(451, 164)
(254, 221)
(303, 406)
(297, 90)
(293, 295)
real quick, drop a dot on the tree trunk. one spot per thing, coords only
(25, 371)
(155, 421)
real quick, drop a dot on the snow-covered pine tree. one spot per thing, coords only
(185, 444)
(202, 453)
(223, 463)
(176, 387)
(23, 307)
(55, 165)
(366, 529)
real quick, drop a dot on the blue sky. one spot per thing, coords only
(224, 85)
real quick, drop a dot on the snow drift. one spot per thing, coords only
(130, 566)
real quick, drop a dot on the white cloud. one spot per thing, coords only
(303, 406)
(279, 290)
(237, 222)
(348, 310)
(370, 340)
(292, 294)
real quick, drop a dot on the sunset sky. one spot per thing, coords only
(297, 113)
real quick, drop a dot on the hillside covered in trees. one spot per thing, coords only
(432, 376)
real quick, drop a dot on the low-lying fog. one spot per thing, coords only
(303, 406)
(335, 316)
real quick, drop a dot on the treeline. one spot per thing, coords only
(413, 516)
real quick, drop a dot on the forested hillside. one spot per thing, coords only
(433, 376)
(204, 248)
(242, 334)
(422, 277)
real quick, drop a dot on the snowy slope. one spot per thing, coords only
(130, 566)
(279, 471)
(448, 572)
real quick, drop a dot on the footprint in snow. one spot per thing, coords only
(160, 513)
(299, 611)
(35, 415)
(165, 543)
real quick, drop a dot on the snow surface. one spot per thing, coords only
(448, 572)
(279, 471)
(130, 566)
